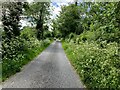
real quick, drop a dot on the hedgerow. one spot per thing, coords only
(98, 67)
(19, 51)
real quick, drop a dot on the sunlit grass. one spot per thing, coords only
(98, 67)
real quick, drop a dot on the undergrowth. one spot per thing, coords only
(19, 51)
(98, 67)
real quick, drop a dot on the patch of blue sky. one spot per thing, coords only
(55, 4)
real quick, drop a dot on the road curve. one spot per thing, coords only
(51, 69)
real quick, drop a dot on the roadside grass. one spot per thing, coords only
(97, 67)
(20, 50)
(10, 67)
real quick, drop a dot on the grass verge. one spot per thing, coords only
(97, 67)
(10, 67)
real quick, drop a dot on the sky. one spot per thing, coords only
(58, 1)
(56, 4)
(56, 9)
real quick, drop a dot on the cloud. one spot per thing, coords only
(57, 8)
(30, 1)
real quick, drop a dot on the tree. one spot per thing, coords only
(69, 20)
(101, 18)
(11, 12)
(117, 13)
(38, 13)
(75, 2)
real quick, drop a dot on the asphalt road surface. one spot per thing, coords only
(51, 69)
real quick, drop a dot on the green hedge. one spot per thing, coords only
(19, 51)
(98, 67)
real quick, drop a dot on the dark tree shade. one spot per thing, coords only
(11, 12)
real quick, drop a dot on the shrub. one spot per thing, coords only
(88, 36)
(97, 67)
(19, 51)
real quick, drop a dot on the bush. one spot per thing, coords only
(97, 67)
(19, 51)
(88, 36)
(28, 33)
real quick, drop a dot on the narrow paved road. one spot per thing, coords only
(51, 69)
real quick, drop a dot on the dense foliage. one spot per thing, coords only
(98, 67)
(99, 18)
(68, 21)
(20, 51)
(90, 33)
(21, 46)
(94, 52)
(10, 17)
(38, 14)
